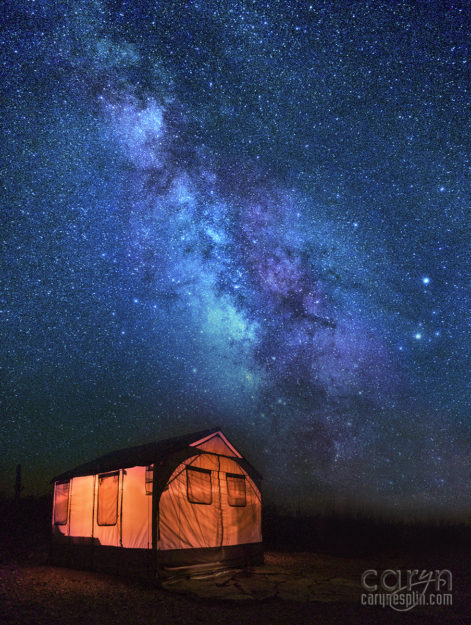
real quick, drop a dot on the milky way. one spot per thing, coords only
(245, 214)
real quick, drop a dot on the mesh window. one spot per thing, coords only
(61, 503)
(198, 482)
(236, 495)
(108, 499)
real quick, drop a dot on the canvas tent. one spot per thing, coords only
(190, 501)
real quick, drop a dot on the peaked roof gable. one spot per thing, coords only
(217, 443)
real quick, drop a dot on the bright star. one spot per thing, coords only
(418, 336)
(426, 280)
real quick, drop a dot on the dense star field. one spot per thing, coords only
(247, 214)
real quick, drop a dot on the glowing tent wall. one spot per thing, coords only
(195, 509)
(116, 514)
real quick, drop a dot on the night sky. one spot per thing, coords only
(247, 214)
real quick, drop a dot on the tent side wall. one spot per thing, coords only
(106, 524)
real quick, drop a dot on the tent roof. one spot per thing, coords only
(147, 454)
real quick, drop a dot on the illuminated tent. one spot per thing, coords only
(171, 505)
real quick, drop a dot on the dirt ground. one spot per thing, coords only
(291, 588)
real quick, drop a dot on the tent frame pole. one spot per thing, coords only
(155, 522)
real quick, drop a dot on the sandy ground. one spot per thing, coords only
(290, 588)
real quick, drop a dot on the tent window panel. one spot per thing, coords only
(107, 513)
(61, 503)
(198, 483)
(149, 479)
(236, 493)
